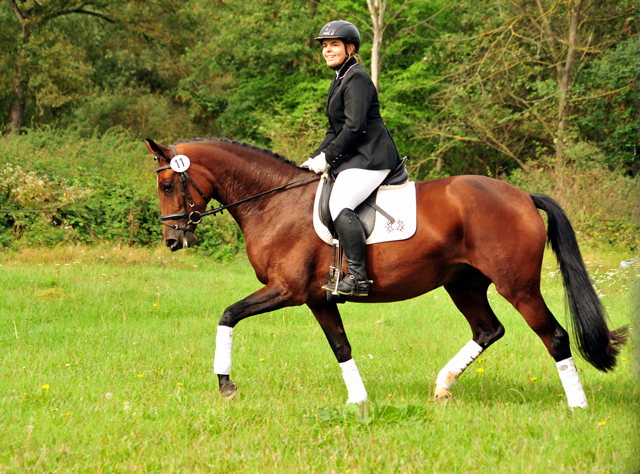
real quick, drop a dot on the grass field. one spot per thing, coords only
(106, 366)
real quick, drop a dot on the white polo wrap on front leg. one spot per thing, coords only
(222, 359)
(571, 383)
(454, 368)
(353, 381)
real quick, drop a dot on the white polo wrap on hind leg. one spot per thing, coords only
(222, 359)
(571, 383)
(454, 368)
(353, 381)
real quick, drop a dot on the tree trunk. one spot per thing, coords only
(20, 84)
(19, 102)
(313, 6)
(376, 9)
(565, 79)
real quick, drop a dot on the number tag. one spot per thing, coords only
(180, 163)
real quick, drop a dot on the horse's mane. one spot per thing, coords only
(243, 145)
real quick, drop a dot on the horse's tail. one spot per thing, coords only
(596, 343)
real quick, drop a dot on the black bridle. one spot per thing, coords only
(195, 217)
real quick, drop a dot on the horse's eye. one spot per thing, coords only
(167, 188)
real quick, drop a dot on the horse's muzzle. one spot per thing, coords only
(178, 239)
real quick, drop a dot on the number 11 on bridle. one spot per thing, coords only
(472, 231)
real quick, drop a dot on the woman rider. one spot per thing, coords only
(358, 148)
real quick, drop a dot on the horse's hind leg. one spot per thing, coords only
(330, 321)
(531, 306)
(469, 293)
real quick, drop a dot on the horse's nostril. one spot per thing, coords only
(170, 242)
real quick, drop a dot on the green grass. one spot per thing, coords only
(124, 340)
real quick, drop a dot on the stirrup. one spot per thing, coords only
(356, 287)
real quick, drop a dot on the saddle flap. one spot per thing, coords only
(396, 206)
(366, 210)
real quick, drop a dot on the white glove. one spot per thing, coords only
(317, 164)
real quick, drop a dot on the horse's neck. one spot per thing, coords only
(248, 174)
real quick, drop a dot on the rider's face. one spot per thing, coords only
(334, 52)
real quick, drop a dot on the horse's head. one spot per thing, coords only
(181, 198)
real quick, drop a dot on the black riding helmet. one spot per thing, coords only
(343, 30)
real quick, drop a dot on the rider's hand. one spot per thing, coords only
(318, 164)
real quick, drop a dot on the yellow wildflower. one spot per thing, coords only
(533, 379)
(140, 375)
(45, 386)
(480, 370)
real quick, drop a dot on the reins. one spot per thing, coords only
(195, 217)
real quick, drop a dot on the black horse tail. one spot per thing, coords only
(596, 343)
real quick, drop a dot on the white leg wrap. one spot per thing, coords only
(353, 381)
(222, 359)
(454, 368)
(571, 383)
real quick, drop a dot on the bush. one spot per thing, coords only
(142, 113)
(602, 204)
(88, 190)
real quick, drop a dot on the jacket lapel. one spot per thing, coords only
(338, 79)
(332, 89)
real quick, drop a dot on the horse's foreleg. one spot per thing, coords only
(269, 298)
(469, 293)
(330, 321)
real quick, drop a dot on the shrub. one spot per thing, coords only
(88, 190)
(602, 204)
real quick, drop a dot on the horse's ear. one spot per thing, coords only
(159, 151)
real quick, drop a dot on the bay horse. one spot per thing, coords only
(471, 231)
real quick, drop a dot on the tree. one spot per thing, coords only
(32, 16)
(508, 83)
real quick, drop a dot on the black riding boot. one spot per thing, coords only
(353, 240)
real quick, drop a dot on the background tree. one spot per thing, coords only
(59, 68)
(464, 87)
(507, 87)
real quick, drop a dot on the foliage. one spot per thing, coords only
(607, 104)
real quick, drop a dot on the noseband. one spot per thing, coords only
(194, 216)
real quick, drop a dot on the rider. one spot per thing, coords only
(358, 147)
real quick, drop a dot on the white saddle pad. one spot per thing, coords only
(397, 201)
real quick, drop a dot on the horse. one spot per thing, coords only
(472, 231)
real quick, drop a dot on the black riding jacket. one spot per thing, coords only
(357, 137)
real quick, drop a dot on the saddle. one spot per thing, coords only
(367, 209)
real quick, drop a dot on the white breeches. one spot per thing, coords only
(353, 186)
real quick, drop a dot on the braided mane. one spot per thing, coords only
(243, 145)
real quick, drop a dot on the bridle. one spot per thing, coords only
(195, 217)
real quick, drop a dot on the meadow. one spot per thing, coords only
(106, 366)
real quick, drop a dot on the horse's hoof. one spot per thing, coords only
(229, 390)
(441, 394)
